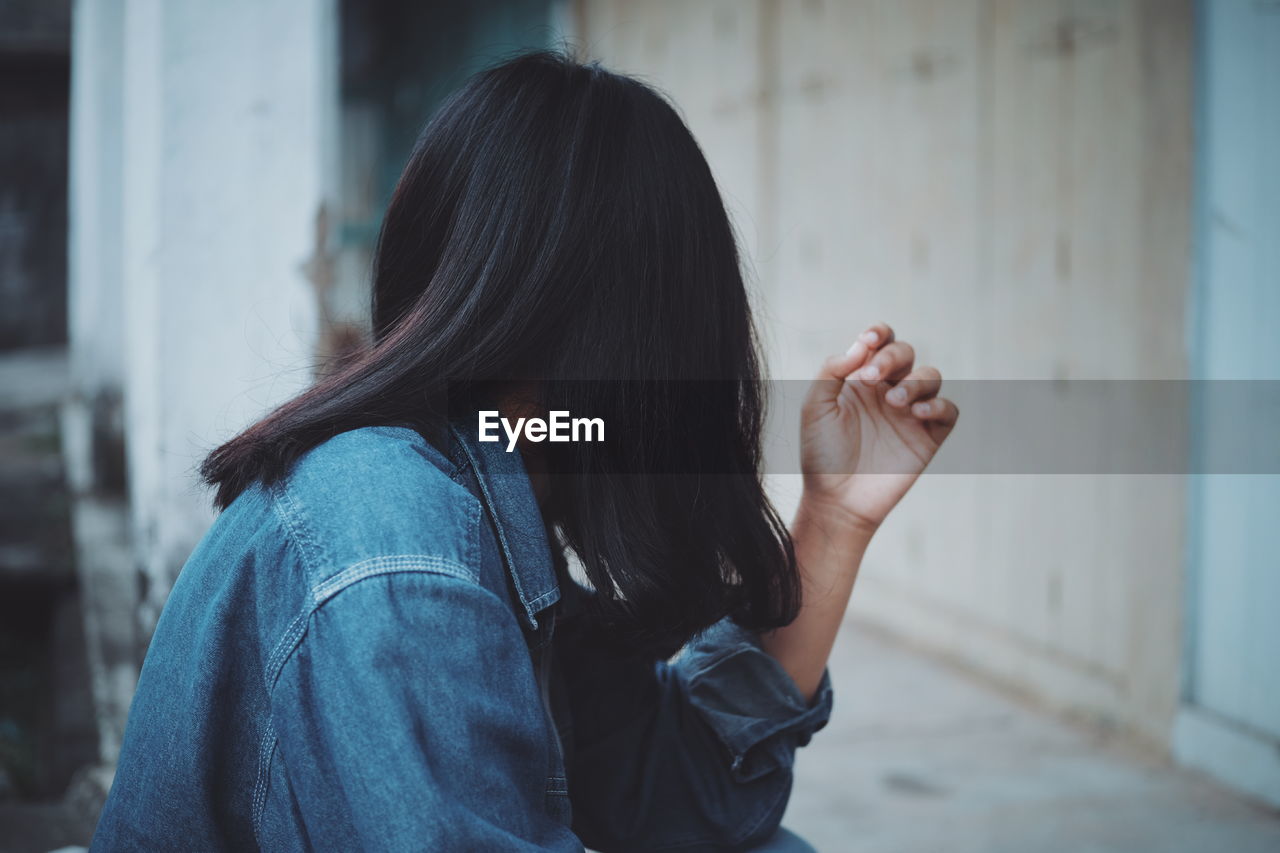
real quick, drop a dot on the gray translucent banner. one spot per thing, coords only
(1005, 427)
(1081, 427)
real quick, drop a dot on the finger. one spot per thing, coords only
(837, 367)
(871, 340)
(878, 335)
(938, 409)
(939, 415)
(920, 384)
(893, 361)
(830, 381)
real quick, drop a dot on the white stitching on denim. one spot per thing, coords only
(381, 565)
(292, 637)
(286, 509)
(536, 604)
(502, 537)
(287, 640)
(266, 748)
(473, 542)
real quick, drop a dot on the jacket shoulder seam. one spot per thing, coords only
(429, 563)
(373, 567)
(286, 510)
(321, 593)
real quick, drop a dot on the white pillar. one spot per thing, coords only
(203, 139)
(229, 114)
(91, 423)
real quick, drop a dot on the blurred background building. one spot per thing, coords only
(1026, 189)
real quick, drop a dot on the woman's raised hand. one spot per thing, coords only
(871, 422)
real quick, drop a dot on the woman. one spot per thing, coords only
(378, 644)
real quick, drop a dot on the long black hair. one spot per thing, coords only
(558, 222)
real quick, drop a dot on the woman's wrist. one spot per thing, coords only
(836, 524)
(829, 544)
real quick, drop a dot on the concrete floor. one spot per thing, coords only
(919, 757)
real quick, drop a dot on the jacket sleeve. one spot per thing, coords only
(403, 722)
(694, 754)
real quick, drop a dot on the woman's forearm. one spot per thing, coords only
(829, 549)
(871, 423)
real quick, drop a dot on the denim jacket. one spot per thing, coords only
(378, 653)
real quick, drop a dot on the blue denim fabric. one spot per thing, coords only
(380, 653)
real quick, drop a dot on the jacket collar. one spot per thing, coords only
(508, 497)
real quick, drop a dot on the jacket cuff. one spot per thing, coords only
(749, 700)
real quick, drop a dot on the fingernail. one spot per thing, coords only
(871, 373)
(897, 395)
(920, 408)
(869, 337)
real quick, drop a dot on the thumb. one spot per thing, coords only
(835, 369)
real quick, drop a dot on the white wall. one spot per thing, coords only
(1007, 182)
